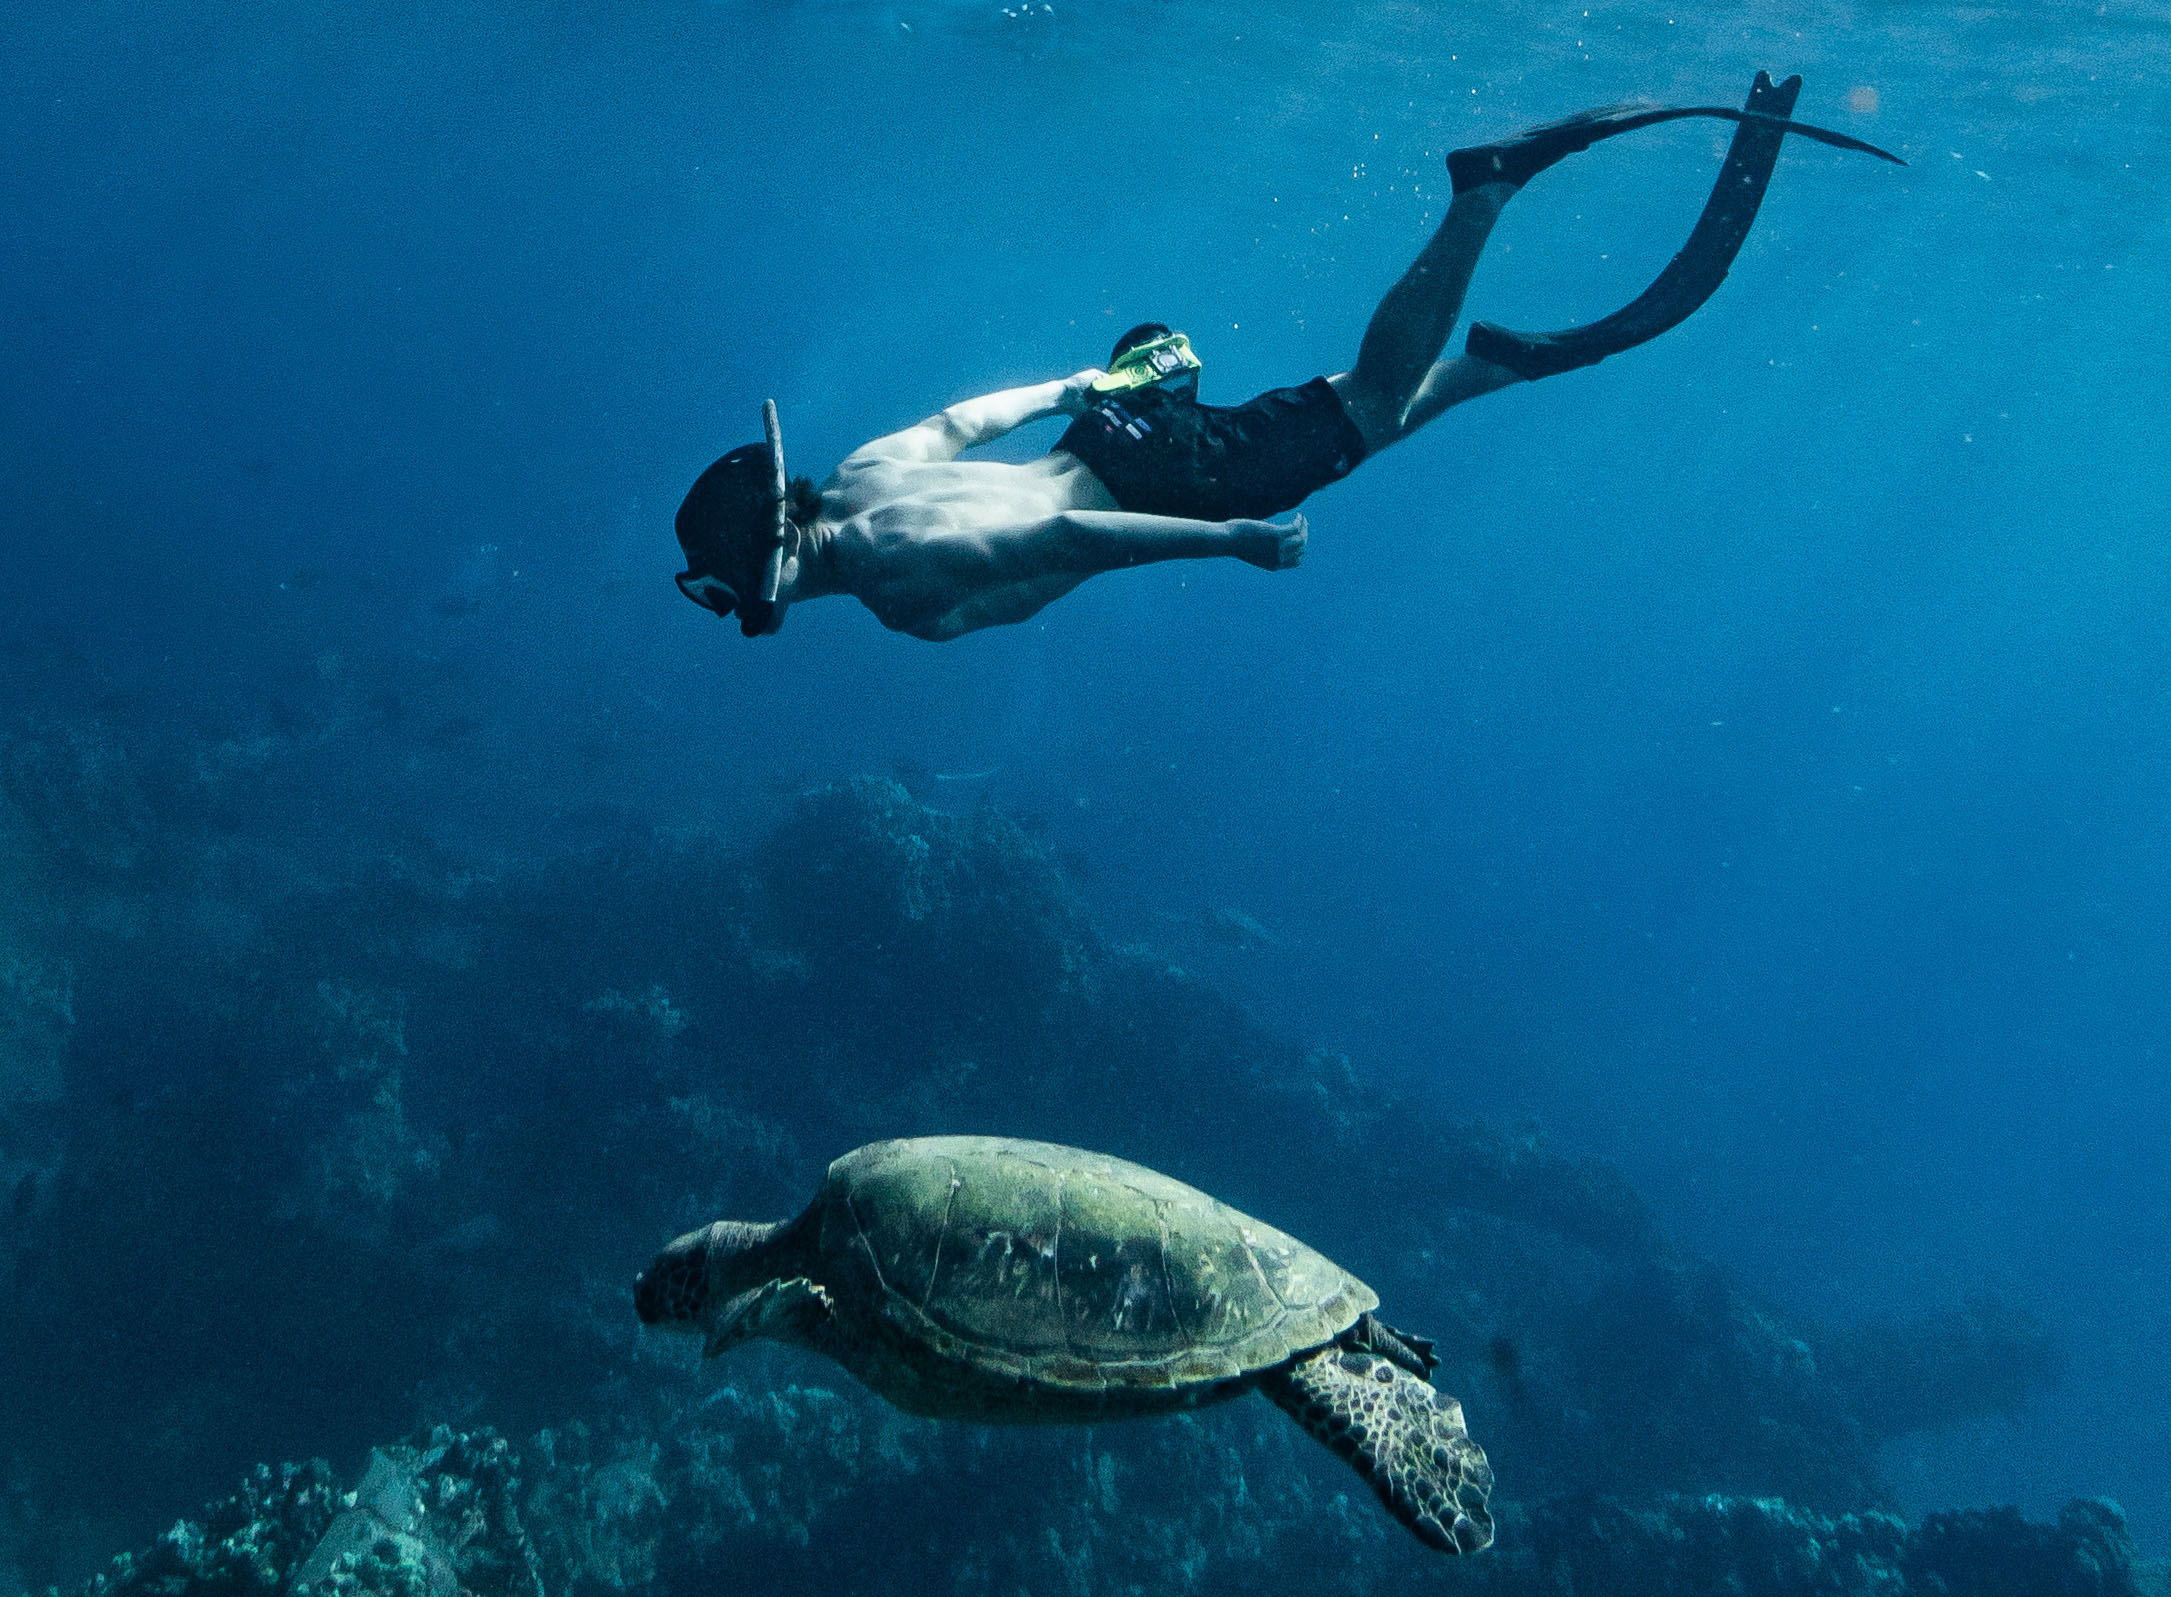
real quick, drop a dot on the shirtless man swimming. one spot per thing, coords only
(938, 546)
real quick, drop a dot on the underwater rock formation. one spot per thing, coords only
(388, 1133)
(1765, 1548)
(36, 1015)
(1995, 1552)
(430, 1520)
(365, 1159)
(74, 781)
(246, 1546)
(1985, 1357)
(792, 1490)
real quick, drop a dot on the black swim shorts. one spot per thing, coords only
(1162, 453)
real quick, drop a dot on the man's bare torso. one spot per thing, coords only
(936, 546)
(892, 509)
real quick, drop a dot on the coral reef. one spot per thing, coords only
(386, 1133)
(800, 1489)
(1765, 1548)
(424, 1521)
(37, 1013)
(368, 1159)
(246, 1546)
(74, 781)
(1996, 1553)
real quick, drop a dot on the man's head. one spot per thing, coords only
(1150, 355)
(1143, 333)
(727, 526)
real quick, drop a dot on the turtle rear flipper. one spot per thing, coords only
(1400, 1434)
(1414, 1353)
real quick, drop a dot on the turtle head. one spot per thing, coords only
(703, 1272)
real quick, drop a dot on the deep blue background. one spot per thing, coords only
(1747, 757)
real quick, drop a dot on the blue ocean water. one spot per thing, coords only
(1744, 759)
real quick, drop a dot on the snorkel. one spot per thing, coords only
(758, 614)
(737, 530)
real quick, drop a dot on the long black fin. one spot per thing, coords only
(1694, 274)
(1406, 1439)
(1770, 119)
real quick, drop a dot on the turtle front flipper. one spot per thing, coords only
(1400, 1434)
(786, 1311)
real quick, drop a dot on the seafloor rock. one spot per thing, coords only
(1756, 1547)
(1994, 1552)
(1985, 1357)
(802, 1489)
(424, 1521)
(37, 1014)
(246, 1546)
(365, 1157)
(74, 780)
(828, 1489)
(395, 1139)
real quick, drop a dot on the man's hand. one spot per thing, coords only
(1078, 390)
(1268, 545)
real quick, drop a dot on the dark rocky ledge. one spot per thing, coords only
(303, 1149)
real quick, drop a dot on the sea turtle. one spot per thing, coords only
(991, 1279)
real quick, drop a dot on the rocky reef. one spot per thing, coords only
(307, 1146)
(799, 1489)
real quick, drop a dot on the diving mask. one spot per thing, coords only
(1165, 359)
(747, 575)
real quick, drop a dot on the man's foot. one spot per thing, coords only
(1521, 157)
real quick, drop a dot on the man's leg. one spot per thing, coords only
(1398, 365)
(1400, 383)
(1449, 383)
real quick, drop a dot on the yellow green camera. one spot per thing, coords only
(1158, 360)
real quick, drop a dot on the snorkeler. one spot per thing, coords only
(937, 546)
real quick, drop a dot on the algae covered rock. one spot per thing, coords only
(1996, 1552)
(246, 1546)
(394, 1141)
(75, 781)
(427, 1521)
(800, 1489)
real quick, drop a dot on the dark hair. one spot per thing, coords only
(1143, 333)
(806, 504)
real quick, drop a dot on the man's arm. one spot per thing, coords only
(934, 575)
(972, 422)
(953, 585)
(1090, 541)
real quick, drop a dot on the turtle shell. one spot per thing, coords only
(1052, 1265)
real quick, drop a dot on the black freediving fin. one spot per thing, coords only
(1694, 274)
(1785, 124)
